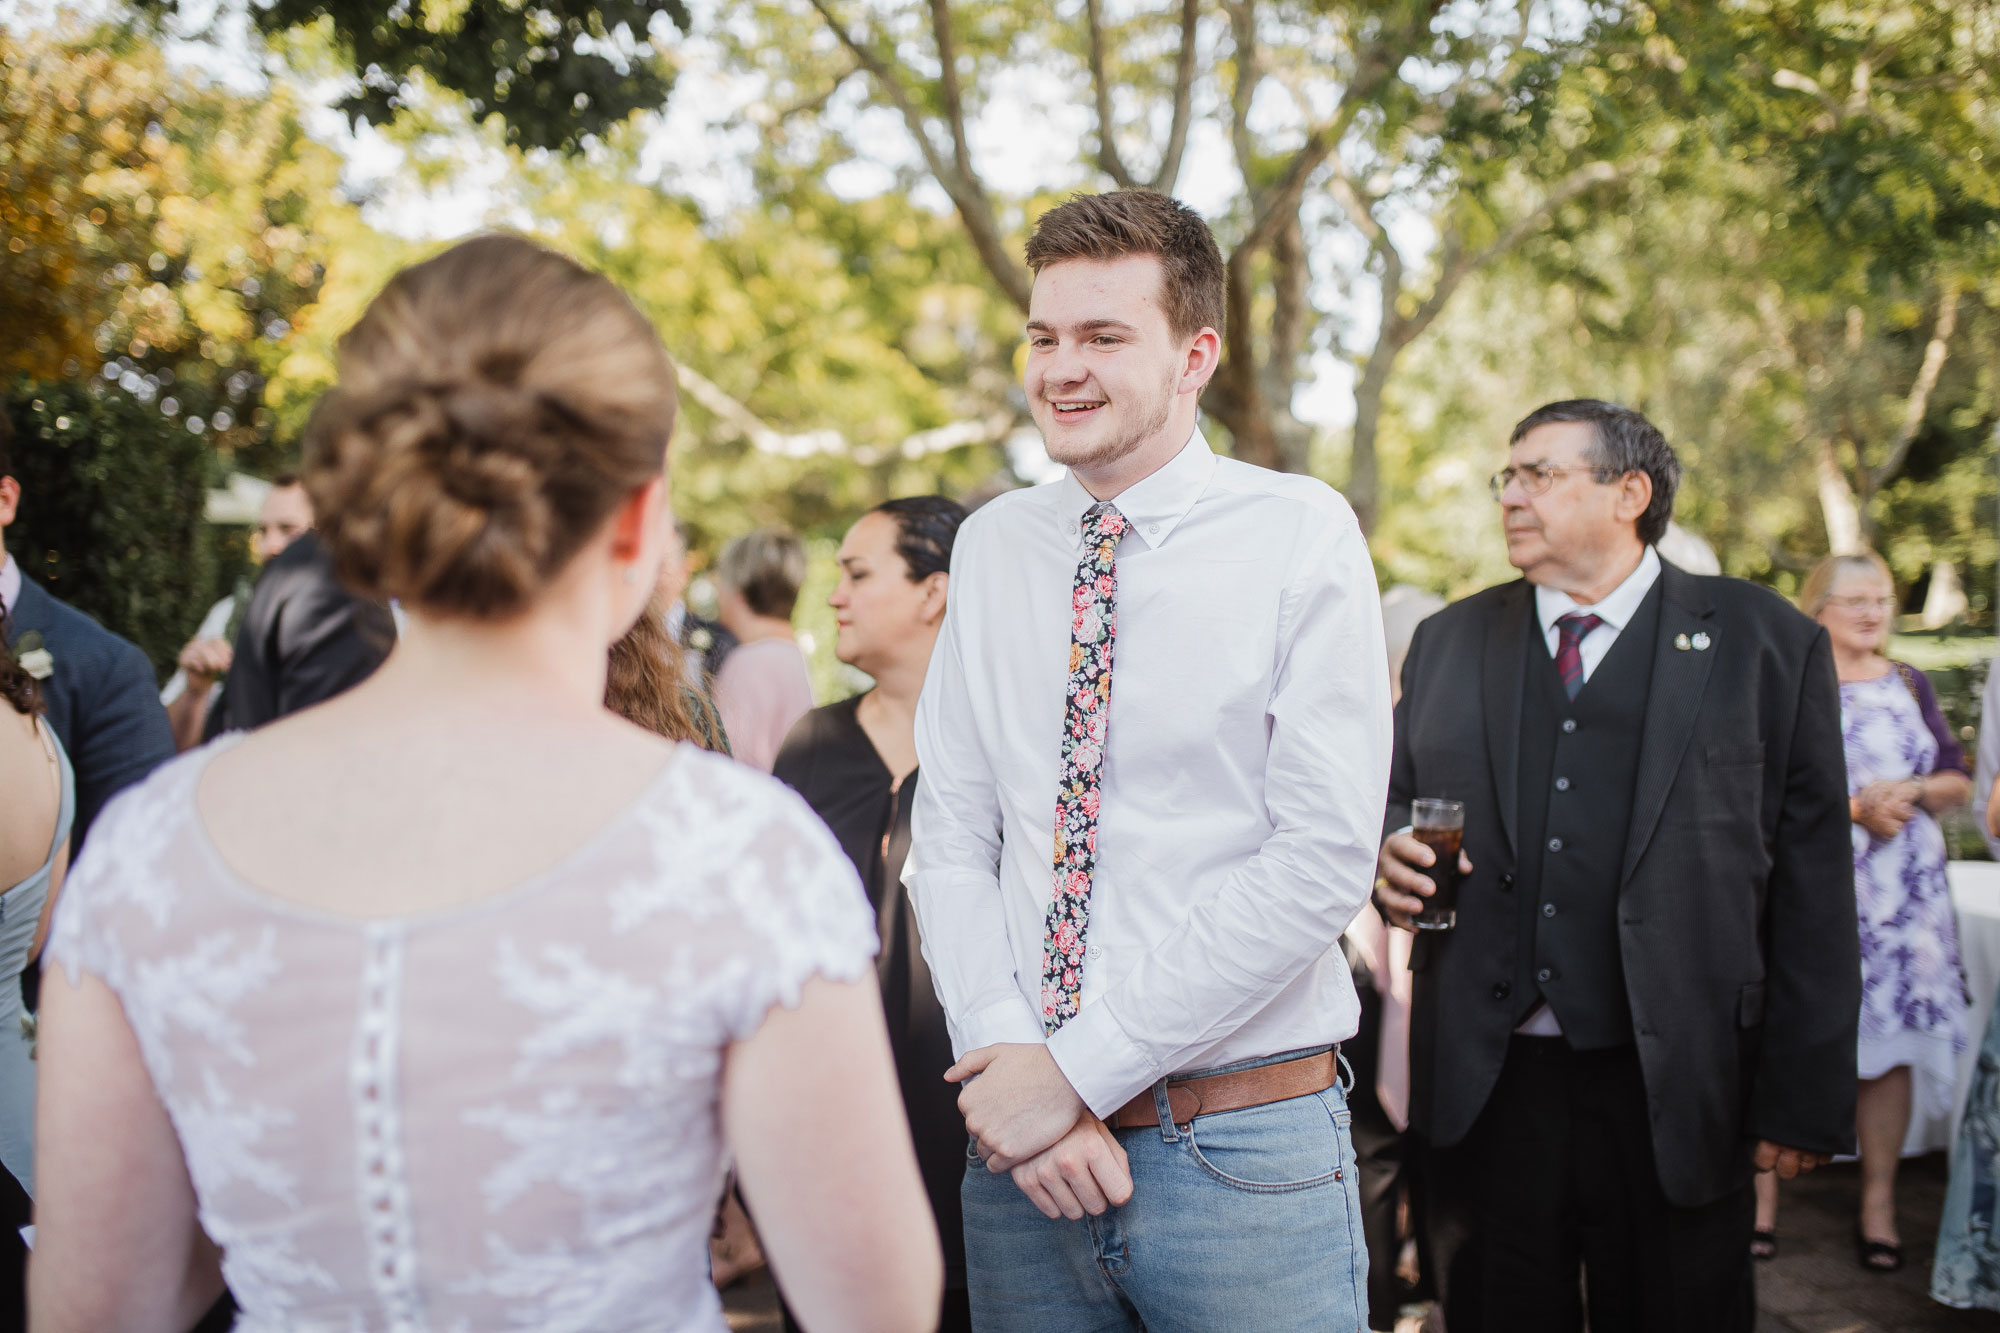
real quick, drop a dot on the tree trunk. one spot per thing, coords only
(1837, 502)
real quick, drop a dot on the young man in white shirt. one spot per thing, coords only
(1154, 735)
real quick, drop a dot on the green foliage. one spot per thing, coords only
(160, 231)
(111, 512)
(554, 72)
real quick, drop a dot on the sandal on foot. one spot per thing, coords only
(1764, 1244)
(1877, 1256)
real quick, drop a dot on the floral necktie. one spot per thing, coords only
(1093, 627)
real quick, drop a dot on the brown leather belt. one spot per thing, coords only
(1190, 1097)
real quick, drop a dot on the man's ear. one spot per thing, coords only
(1204, 354)
(10, 500)
(1635, 496)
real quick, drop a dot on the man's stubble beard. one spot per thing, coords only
(1119, 446)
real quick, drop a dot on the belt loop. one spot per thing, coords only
(1346, 1074)
(1169, 1132)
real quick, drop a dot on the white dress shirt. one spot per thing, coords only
(1616, 611)
(10, 581)
(1244, 776)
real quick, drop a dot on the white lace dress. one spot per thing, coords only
(504, 1116)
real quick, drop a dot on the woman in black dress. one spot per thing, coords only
(855, 762)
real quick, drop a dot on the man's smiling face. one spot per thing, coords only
(1103, 365)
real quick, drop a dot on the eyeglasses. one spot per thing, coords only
(1863, 603)
(1536, 478)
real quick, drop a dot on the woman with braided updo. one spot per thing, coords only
(445, 1003)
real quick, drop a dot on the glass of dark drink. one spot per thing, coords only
(1440, 826)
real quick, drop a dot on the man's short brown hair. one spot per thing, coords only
(1140, 222)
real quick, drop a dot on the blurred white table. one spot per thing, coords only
(1975, 895)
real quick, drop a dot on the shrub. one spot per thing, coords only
(112, 495)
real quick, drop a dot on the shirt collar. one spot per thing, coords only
(1617, 607)
(1154, 506)
(10, 581)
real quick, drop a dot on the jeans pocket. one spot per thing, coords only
(1298, 1144)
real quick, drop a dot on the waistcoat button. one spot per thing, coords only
(1546, 974)
(1555, 844)
(1548, 909)
(1569, 725)
(1562, 784)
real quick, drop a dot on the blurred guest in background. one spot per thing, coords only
(763, 686)
(1903, 767)
(303, 639)
(705, 642)
(190, 693)
(1654, 962)
(37, 804)
(1966, 1273)
(855, 762)
(649, 681)
(98, 690)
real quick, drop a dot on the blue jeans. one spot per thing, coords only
(1244, 1220)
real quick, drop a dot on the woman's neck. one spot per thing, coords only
(1866, 664)
(755, 628)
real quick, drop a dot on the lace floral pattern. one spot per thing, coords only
(505, 1117)
(1086, 714)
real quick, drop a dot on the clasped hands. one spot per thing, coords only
(1029, 1122)
(1883, 807)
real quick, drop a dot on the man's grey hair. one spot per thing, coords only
(1626, 442)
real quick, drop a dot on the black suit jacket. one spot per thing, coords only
(304, 638)
(103, 702)
(1736, 919)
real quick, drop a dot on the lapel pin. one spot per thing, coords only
(1681, 642)
(1701, 642)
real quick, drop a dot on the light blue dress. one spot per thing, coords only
(20, 912)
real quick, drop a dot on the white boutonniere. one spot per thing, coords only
(34, 656)
(702, 639)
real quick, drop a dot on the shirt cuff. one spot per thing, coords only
(1100, 1060)
(1007, 1021)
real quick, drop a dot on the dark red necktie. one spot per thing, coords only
(1570, 630)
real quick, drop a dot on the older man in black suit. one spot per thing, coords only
(103, 701)
(1654, 980)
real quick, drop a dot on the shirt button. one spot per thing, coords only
(1546, 974)
(1562, 784)
(1555, 844)
(1548, 909)
(1569, 725)
(1152, 527)
(1094, 951)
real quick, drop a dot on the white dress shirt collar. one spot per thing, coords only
(1617, 607)
(10, 581)
(1155, 505)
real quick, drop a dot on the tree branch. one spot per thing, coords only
(1461, 265)
(740, 421)
(1919, 400)
(1374, 68)
(1177, 136)
(957, 176)
(1107, 146)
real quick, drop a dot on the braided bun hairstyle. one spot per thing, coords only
(495, 404)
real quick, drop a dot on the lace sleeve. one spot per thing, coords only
(79, 939)
(803, 910)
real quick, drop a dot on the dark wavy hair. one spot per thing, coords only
(17, 687)
(1626, 442)
(926, 527)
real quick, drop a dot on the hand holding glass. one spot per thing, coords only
(1440, 826)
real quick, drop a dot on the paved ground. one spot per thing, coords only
(1813, 1286)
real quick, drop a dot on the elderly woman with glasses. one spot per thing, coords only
(1903, 768)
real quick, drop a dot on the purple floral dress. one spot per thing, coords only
(1912, 990)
